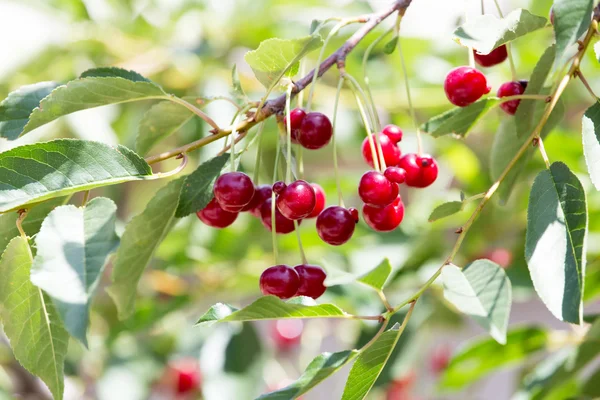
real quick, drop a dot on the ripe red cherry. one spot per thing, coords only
(393, 132)
(315, 131)
(395, 174)
(501, 256)
(375, 189)
(440, 358)
(279, 280)
(233, 191)
(261, 193)
(320, 201)
(495, 57)
(185, 374)
(311, 280)
(213, 215)
(391, 151)
(421, 171)
(296, 117)
(384, 219)
(335, 225)
(283, 225)
(354, 213)
(465, 85)
(297, 200)
(279, 186)
(287, 333)
(511, 89)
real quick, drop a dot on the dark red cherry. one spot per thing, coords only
(384, 219)
(233, 191)
(287, 333)
(511, 89)
(420, 171)
(283, 225)
(395, 174)
(465, 85)
(261, 193)
(311, 280)
(279, 280)
(335, 225)
(391, 151)
(279, 186)
(185, 374)
(320, 201)
(297, 200)
(495, 57)
(393, 132)
(213, 215)
(315, 131)
(354, 213)
(296, 117)
(375, 189)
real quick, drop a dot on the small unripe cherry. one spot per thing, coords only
(465, 85)
(395, 174)
(375, 189)
(233, 191)
(320, 201)
(280, 280)
(392, 132)
(311, 280)
(213, 215)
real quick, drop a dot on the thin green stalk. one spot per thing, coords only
(273, 230)
(511, 61)
(540, 145)
(334, 142)
(288, 129)
(259, 149)
(300, 247)
(413, 114)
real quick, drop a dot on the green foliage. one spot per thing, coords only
(161, 121)
(571, 20)
(377, 277)
(591, 142)
(445, 210)
(459, 120)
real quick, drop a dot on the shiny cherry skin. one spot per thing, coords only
(495, 57)
(354, 212)
(392, 132)
(335, 225)
(465, 85)
(233, 191)
(185, 375)
(296, 117)
(315, 131)
(283, 225)
(395, 174)
(279, 186)
(511, 89)
(320, 201)
(375, 189)
(421, 171)
(213, 215)
(279, 280)
(297, 200)
(287, 333)
(391, 151)
(384, 219)
(261, 194)
(311, 280)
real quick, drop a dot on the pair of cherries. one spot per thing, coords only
(286, 282)
(311, 130)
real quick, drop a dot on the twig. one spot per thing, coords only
(586, 84)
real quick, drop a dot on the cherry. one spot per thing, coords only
(400, 388)
(384, 219)
(311, 280)
(375, 189)
(279, 280)
(511, 89)
(391, 151)
(287, 333)
(261, 193)
(354, 213)
(296, 117)
(213, 215)
(320, 201)
(501, 256)
(439, 358)
(279, 186)
(465, 85)
(185, 375)
(315, 131)
(395, 174)
(421, 171)
(233, 191)
(392, 132)
(297, 200)
(283, 225)
(495, 57)
(335, 225)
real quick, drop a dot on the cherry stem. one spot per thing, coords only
(385, 301)
(300, 97)
(177, 170)
(540, 145)
(195, 110)
(511, 61)
(273, 230)
(259, 151)
(475, 197)
(288, 129)
(586, 84)
(482, 7)
(22, 215)
(232, 152)
(334, 142)
(411, 107)
(300, 247)
(86, 197)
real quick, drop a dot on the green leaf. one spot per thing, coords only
(197, 189)
(160, 121)
(391, 46)
(72, 247)
(591, 142)
(571, 19)
(237, 91)
(275, 58)
(591, 387)
(369, 364)
(319, 369)
(15, 109)
(33, 173)
(481, 357)
(271, 307)
(243, 350)
(555, 242)
(487, 32)
(114, 72)
(445, 210)
(377, 277)
(30, 321)
(459, 120)
(483, 291)
(143, 234)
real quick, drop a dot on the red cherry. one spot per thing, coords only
(335, 225)
(186, 375)
(391, 151)
(384, 219)
(511, 89)
(439, 359)
(320, 200)
(495, 57)
(393, 132)
(420, 171)
(283, 225)
(501, 256)
(279, 186)
(297, 200)
(296, 116)
(354, 213)
(395, 174)
(465, 85)
(213, 215)
(279, 280)
(315, 131)
(261, 193)
(233, 191)
(375, 189)
(400, 388)
(287, 333)
(311, 280)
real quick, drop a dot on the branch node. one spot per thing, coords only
(459, 230)
(548, 99)
(535, 141)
